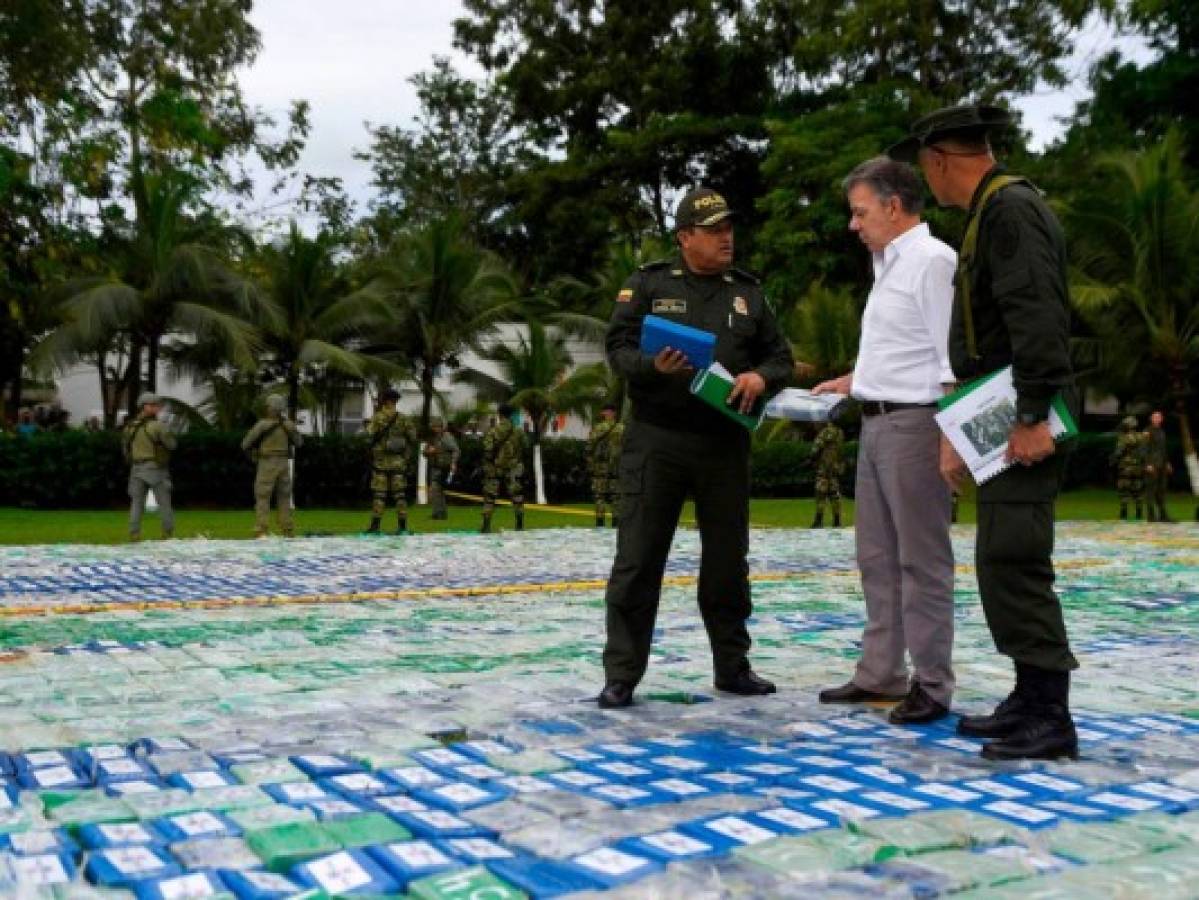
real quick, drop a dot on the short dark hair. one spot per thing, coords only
(888, 178)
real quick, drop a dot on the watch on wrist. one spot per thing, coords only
(1030, 418)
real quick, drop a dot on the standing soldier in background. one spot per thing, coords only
(603, 455)
(1129, 460)
(503, 460)
(393, 440)
(147, 445)
(830, 463)
(1157, 467)
(442, 453)
(270, 444)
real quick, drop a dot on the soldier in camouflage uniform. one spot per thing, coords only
(393, 441)
(503, 460)
(830, 463)
(442, 453)
(603, 455)
(147, 446)
(270, 444)
(1129, 460)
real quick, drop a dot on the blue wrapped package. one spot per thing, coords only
(201, 824)
(119, 834)
(190, 884)
(612, 867)
(38, 871)
(346, 872)
(35, 843)
(697, 345)
(121, 867)
(259, 885)
(406, 861)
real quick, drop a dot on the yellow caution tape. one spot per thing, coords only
(542, 506)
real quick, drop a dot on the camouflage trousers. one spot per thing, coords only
(437, 493)
(604, 489)
(828, 490)
(385, 482)
(513, 481)
(1130, 488)
(273, 479)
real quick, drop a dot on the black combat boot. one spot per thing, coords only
(1150, 513)
(1123, 511)
(1008, 715)
(486, 524)
(373, 528)
(402, 526)
(1138, 510)
(818, 522)
(599, 521)
(1162, 515)
(615, 522)
(1048, 729)
(520, 520)
(837, 519)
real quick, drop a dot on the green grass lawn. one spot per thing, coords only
(28, 526)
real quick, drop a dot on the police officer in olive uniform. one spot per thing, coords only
(1157, 467)
(270, 443)
(442, 454)
(392, 442)
(603, 455)
(147, 445)
(1129, 461)
(1011, 306)
(830, 463)
(676, 445)
(503, 463)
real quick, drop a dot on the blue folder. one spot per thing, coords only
(697, 345)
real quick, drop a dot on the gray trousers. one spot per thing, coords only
(901, 525)
(145, 477)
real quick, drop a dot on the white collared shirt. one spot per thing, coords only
(903, 352)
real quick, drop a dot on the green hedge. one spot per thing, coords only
(80, 470)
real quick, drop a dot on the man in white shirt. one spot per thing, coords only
(902, 504)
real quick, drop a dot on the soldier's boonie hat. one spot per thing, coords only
(389, 395)
(146, 398)
(702, 206)
(953, 121)
(436, 422)
(275, 403)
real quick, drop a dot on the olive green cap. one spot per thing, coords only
(147, 398)
(275, 403)
(953, 121)
(701, 206)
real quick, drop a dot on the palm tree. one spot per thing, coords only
(173, 282)
(536, 376)
(445, 292)
(1136, 279)
(824, 328)
(310, 317)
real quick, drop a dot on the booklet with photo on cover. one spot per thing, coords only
(978, 419)
(713, 386)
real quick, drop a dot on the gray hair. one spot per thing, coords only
(888, 178)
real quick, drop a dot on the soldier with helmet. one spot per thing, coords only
(442, 453)
(147, 445)
(828, 451)
(271, 444)
(1129, 461)
(393, 443)
(503, 463)
(603, 455)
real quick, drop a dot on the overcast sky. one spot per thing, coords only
(352, 60)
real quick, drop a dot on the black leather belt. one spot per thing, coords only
(882, 407)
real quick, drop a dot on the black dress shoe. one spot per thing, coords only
(917, 708)
(747, 684)
(1007, 717)
(1046, 733)
(615, 695)
(851, 693)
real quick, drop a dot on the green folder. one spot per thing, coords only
(713, 389)
(1058, 403)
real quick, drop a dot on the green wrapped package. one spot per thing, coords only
(365, 830)
(911, 834)
(91, 809)
(268, 771)
(282, 846)
(811, 854)
(463, 884)
(268, 816)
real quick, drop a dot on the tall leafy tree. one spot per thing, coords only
(444, 293)
(1136, 252)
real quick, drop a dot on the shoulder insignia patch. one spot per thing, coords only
(669, 305)
(740, 307)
